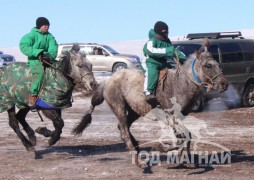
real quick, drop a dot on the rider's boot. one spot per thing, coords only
(32, 100)
(150, 98)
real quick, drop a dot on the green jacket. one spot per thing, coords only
(35, 42)
(159, 50)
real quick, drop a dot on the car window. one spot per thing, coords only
(88, 50)
(248, 51)
(110, 49)
(215, 52)
(97, 51)
(66, 48)
(231, 52)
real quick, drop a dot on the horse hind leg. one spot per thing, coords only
(55, 116)
(13, 122)
(124, 126)
(21, 118)
(132, 117)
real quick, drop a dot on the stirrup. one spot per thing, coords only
(33, 108)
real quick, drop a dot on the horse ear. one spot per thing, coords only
(197, 53)
(206, 44)
(73, 51)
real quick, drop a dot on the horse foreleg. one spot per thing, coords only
(44, 131)
(184, 141)
(13, 122)
(58, 124)
(21, 118)
(55, 116)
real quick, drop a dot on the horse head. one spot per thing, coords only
(79, 69)
(207, 70)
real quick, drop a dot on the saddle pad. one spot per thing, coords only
(15, 82)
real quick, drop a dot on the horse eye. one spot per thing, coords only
(80, 65)
(208, 66)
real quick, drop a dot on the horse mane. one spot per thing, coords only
(63, 65)
(189, 60)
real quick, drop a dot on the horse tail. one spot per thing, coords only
(96, 100)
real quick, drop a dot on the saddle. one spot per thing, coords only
(163, 74)
(162, 77)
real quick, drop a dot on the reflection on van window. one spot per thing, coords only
(231, 52)
(214, 51)
(187, 49)
(248, 51)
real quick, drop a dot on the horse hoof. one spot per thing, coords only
(30, 149)
(43, 131)
(142, 165)
(33, 140)
(181, 166)
(52, 142)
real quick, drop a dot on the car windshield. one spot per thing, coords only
(110, 49)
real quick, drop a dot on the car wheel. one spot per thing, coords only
(119, 66)
(198, 104)
(248, 96)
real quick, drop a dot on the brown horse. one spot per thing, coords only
(124, 93)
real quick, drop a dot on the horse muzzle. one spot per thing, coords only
(90, 85)
(221, 84)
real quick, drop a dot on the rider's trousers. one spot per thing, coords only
(37, 71)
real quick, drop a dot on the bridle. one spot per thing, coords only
(196, 80)
(72, 65)
(207, 85)
(76, 81)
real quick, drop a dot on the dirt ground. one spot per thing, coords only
(100, 153)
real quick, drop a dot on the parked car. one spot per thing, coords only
(236, 58)
(1, 63)
(103, 57)
(6, 59)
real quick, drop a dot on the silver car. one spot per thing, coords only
(1, 63)
(103, 57)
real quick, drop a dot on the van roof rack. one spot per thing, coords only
(216, 35)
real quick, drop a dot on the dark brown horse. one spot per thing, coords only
(58, 84)
(124, 93)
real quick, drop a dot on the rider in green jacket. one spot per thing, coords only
(39, 46)
(156, 51)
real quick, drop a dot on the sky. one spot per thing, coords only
(103, 21)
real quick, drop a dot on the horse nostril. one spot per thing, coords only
(225, 85)
(92, 84)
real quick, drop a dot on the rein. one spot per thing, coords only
(78, 82)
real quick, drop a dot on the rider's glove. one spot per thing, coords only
(45, 58)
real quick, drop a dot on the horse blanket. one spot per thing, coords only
(15, 81)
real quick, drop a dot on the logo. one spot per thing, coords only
(180, 137)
